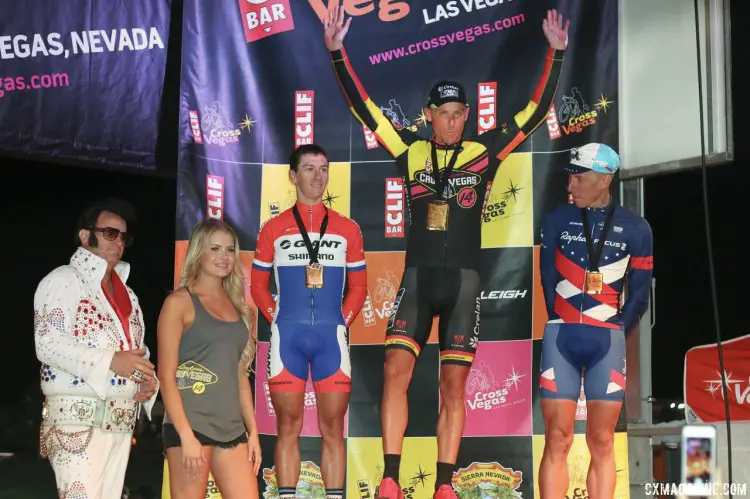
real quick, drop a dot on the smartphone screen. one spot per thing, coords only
(698, 460)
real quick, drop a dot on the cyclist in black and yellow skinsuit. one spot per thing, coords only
(447, 180)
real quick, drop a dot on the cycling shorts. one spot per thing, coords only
(426, 292)
(570, 351)
(297, 349)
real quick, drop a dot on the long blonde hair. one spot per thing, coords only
(233, 284)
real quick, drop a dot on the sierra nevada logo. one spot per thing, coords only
(487, 481)
(309, 486)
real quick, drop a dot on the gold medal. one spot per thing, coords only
(437, 215)
(314, 275)
(594, 283)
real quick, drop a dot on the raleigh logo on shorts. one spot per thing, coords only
(263, 18)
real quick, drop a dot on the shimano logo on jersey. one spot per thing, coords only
(566, 236)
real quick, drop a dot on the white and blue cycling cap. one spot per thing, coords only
(593, 157)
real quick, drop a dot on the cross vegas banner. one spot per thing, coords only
(257, 81)
(83, 79)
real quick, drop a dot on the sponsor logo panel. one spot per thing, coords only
(507, 220)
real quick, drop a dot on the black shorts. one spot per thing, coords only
(452, 294)
(172, 439)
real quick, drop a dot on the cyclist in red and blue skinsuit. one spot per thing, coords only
(596, 264)
(309, 324)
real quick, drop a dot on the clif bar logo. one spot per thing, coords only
(486, 110)
(215, 196)
(304, 117)
(394, 207)
(262, 18)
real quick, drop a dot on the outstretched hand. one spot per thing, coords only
(554, 31)
(335, 28)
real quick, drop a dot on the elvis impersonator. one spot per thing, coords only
(88, 329)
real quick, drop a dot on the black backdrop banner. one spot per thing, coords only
(81, 80)
(257, 81)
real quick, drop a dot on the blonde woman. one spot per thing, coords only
(207, 341)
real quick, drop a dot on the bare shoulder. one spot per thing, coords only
(177, 302)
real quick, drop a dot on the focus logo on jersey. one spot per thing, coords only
(394, 207)
(262, 18)
(304, 117)
(215, 196)
(486, 108)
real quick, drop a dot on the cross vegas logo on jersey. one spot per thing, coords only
(262, 18)
(215, 196)
(486, 109)
(394, 207)
(304, 117)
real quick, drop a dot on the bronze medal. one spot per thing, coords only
(314, 275)
(594, 283)
(437, 215)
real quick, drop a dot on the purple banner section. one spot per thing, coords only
(81, 80)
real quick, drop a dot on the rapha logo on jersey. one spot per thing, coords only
(553, 126)
(507, 294)
(370, 140)
(195, 126)
(262, 18)
(507, 206)
(215, 196)
(484, 392)
(487, 107)
(304, 117)
(394, 207)
(480, 478)
(218, 129)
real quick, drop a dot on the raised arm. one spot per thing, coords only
(503, 140)
(362, 107)
(260, 275)
(356, 272)
(639, 276)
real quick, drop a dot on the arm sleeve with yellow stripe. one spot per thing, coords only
(366, 111)
(501, 141)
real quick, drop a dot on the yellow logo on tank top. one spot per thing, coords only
(192, 375)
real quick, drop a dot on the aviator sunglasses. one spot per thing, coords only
(111, 234)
